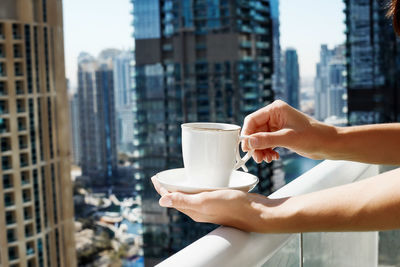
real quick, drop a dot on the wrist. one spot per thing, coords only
(323, 141)
(278, 216)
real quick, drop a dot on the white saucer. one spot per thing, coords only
(174, 180)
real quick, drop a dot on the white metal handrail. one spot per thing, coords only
(227, 246)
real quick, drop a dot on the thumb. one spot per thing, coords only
(176, 200)
(265, 140)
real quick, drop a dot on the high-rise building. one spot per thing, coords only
(373, 56)
(124, 101)
(75, 131)
(330, 84)
(277, 77)
(36, 207)
(292, 78)
(97, 117)
(195, 61)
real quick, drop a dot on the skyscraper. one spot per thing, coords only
(292, 78)
(330, 84)
(373, 56)
(97, 117)
(75, 130)
(195, 61)
(124, 102)
(277, 77)
(36, 207)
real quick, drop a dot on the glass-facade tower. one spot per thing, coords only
(97, 118)
(292, 78)
(373, 63)
(194, 61)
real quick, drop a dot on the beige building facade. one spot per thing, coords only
(36, 205)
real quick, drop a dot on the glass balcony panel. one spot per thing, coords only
(389, 241)
(389, 247)
(340, 249)
(287, 256)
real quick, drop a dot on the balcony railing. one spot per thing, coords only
(227, 246)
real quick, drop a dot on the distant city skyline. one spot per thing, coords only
(110, 27)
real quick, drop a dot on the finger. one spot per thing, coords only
(260, 141)
(160, 190)
(263, 116)
(270, 155)
(258, 156)
(180, 201)
(267, 157)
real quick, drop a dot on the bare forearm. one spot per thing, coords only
(377, 144)
(372, 204)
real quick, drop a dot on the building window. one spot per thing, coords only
(28, 230)
(2, 35)
(50, 124)
(39, 109)
(8, 181)
(6, 163)
(32, 131)
(21, 105)
(9, 199)
(5, 144)
(58, 247)
(23, 142)
(48, 250)
(19, 87)
(2, 51)
(36, 194)
(36, 52)
(25, 178)
(3, 88)
(44, 200)
(46, 57)
(53, 184)
(16, 30)
(21, 124)
(3, 72)
(13, 253)
(17, 51)
(40, 252)
(32, 263)
(4, 126)
(26, 195)
(28, 58)
(18, 69)
(3, 107)
(27, 213)
(23, 160)
(30, 248)
(44, 10)
(10, 217)
(11, 235)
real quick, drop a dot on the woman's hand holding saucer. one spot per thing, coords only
(225, 207)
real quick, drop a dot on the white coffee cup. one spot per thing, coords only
(211, 153)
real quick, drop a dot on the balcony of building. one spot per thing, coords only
(227, 246)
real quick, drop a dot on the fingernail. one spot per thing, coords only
(166, 202)
(252, 142)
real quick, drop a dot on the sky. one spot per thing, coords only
(93, 25)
